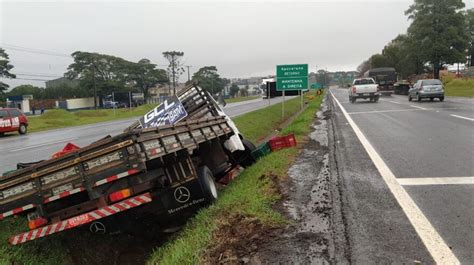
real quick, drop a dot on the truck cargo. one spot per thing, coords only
(385, 77)
(166, 163)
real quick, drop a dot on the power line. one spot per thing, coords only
(32, 50)
(31, 79)
(40, 75)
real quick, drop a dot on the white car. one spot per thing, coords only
(365, 88)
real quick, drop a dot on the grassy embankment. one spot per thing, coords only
(251, 195)
(240, 99)
(458, 87)
(53, 119)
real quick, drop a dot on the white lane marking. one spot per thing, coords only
(417, 107)
(43, 144)
(436, 181)
(462, 117)
(380, 111)
(428, 234)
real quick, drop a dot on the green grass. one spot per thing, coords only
(250, 195)
(258, 124)
(58, 118)
(459, 87)
(240, 99)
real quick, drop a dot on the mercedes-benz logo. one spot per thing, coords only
(182, 194)
(97, 228)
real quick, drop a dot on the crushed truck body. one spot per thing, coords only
(170, 169)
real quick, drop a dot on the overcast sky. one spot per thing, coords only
(242, 39)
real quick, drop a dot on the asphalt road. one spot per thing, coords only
(429, 148)
(41, 145)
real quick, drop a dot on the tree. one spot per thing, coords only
(26, 90)
(364, 67)
(439, 27)
(244, 92)
(234, 90)
(99, 73)
(144, 75)
(175, 68)
(208, 78)
(470, 30)
(5, 68)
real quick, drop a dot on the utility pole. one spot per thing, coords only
(174, 76)
(95, 88)
(189, 74)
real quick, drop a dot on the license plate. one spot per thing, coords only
(62, 188)
(366, 94)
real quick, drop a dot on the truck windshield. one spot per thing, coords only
(363, 82)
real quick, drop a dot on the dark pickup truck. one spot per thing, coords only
(170, 168)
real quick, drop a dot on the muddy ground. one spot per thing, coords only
(311, 203)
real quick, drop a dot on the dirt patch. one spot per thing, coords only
(239, 239)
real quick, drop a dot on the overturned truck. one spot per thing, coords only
(167, 162)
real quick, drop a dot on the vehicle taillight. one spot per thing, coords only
(119, 195)
(353, 89)
(33, 224)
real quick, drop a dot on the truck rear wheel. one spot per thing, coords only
(206, 179)
(245, 158)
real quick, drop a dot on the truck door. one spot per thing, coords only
(5, 121)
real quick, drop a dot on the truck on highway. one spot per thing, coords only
(385, 77)
(165, 164)
(364, 88)
(269, 90)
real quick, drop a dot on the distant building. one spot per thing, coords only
(62, 81)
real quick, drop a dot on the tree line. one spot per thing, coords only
(441, 32)
(101, 74)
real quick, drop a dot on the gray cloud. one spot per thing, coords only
(241, 39)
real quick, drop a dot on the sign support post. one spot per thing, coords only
(283, 106)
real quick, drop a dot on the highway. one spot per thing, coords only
(407, 174)
(41, 145)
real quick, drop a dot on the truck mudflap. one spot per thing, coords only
(82, 219)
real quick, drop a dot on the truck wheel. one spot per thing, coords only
(441, 99)
(245, 158)
(431, 99)
(353, 99)
(23, 129)
(418, 98)
(376, 99)
(206, 179)
(409, 97)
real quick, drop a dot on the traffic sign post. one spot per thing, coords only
(291, 77)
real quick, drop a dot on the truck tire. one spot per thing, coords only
(418, 98)
(22, 129)
(353, 99)
(409, 97)
(206, 179)
(441, 99)
(245, 158)
(376, 99)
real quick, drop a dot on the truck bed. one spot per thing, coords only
(55, 186)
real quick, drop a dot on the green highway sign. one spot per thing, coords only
(292, 77)
(316, 86)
